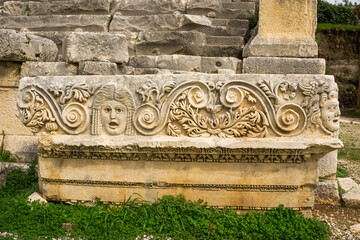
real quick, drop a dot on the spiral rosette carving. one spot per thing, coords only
(147, 117)
(291, 119)
(197, 97)
(75, 115)
(231, 97)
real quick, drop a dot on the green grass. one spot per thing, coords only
(341, 173)
(168, 217)
(336, 26)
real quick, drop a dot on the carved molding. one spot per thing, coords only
(164, 185)
(233, 108)
(176, 154)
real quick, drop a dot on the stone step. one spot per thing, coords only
(222, 51)
(172, 22)
(152, 7)
(89, 23)
(234, 23)
(238, 5)
(32, 8)
(183, 63)
(225, 40)
(246, 12)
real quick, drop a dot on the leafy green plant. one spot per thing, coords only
(253, 21)
(7, 156)
(27, 9)
(350, 88)
(341, 173)
(341, 190)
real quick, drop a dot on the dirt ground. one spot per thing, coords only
(341, 218)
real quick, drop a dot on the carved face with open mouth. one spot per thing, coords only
(330, 115)
(113, 117)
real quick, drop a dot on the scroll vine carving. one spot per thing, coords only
(186, 108)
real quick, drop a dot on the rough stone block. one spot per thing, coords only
(327, 193)
(328, 166)
(277, 65)
(144, 71)
(36, 197)
(97, 68)
(15, 46)
(87, 46)
(34, 69)
(347, 183)
(143, 61)
(213, 64)
(148, 7)
(216, 9)
(163, 22)
(179, 62)
(8, 120)
(225, 40)
(352, 197)
(91, 23)
(35, 8)
(221, 51)
(169, 42)
(10, 74)
(25, 147)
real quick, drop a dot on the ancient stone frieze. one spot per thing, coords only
(213, 187)
(193, 108)
(176, 154)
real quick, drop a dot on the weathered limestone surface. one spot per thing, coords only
(10, 74)
(251, 138)
(169, 42)
(25, 147)
(8, 120)
(36, 197)
(97, 68)
(352, 197)
(87, 46)
(286, 29)
(148, 7)
(21, 8)
(328, 166)
(34, 69)
(347, 183)
(213, 64)
(185, 63)
(20, 47)
(327, 193)
(91, 23)
(280, 65)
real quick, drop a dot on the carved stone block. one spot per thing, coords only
(246, 141)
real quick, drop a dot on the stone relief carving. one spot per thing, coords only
(112, 111)
(322, 106)
(232, 108)
(213, 187)
(175, 154)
